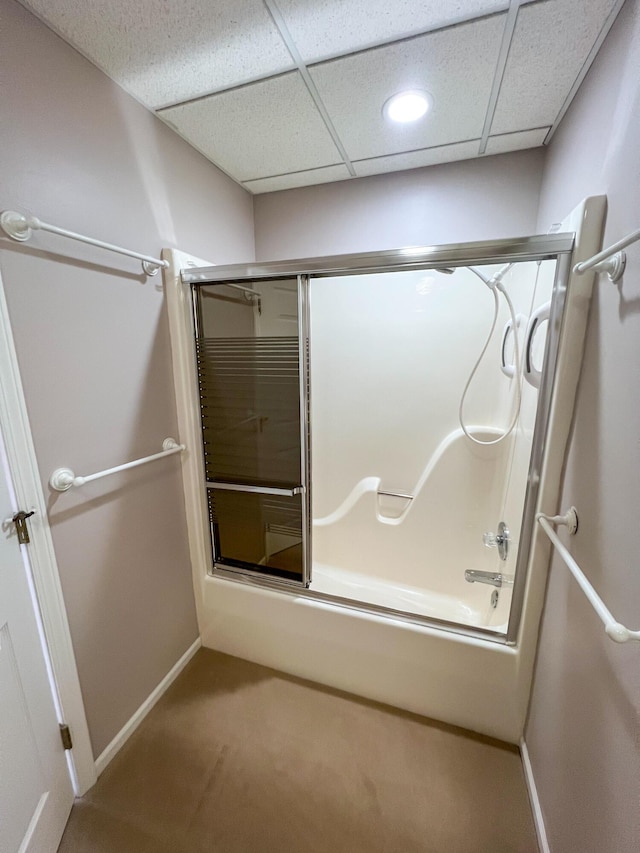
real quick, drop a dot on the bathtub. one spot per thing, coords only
(475, 609)
(474, 683)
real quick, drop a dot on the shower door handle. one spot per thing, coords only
(257, 490)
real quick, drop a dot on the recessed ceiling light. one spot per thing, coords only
(407, 106)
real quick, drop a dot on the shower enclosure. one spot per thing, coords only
(372, 426)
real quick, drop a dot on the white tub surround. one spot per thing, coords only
(465, 680)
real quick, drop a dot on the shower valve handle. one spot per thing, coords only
(499, 540)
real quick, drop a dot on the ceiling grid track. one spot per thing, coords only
(417, 150)
(311, 86)
(238, 98)
(585, 68)
(259, 78)
(503, 55)
(293, 172)
(341, 54)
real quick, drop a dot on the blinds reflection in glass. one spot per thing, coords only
(259, 532)
(247, 348)
(247, 354)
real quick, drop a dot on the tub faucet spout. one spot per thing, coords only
(496, 579)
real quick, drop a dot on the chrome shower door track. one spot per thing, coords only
(537, 248)
(236, 575)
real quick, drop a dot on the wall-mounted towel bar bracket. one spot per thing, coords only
(615, 630)
(613, 266)
(568, 520)
(611, 260)
(21, 228)
(63, 479)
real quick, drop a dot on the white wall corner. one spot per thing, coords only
(110, 751)
(536, 808)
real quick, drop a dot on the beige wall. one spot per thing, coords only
(481, 199)
(93, 347)
(583, 733)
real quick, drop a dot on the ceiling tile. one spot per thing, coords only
(455, 65)
(517, 141)
(416, 159)
(298, 179)
(551, 42)
(330, 27)
(267, 128)
(165, 51)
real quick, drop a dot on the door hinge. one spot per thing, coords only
(65, 736)
(20, 521)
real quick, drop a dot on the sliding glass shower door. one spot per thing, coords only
(432, 386)
(251, 351)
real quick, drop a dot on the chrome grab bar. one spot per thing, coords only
(257, 490)
(396, 495)
(496, 579)
(248, 291)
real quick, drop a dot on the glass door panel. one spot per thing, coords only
(422, 436)
(252, 383)
(256, 529)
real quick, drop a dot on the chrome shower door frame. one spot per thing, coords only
(535, 248)
(540, 432)
(237, 572)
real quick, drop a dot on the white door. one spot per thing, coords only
(35, 787)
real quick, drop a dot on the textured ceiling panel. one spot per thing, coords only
(550, 45)
(164, 51)
(298, 179)
(517, 141)
(262, 129)
(330, 27)
(228, 83)
(416, 159)
(455, 65)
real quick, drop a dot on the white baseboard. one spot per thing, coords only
(538, 820)
(132, 724)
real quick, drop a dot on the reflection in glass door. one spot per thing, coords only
(423, 420)
(251, 344)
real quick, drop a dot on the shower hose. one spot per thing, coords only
(495, 284)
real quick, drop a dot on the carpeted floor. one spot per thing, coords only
(238, 758)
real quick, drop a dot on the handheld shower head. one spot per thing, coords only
(495, 286)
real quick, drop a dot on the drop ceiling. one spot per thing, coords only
(289, 93)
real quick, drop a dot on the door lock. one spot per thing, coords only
(20, 521)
